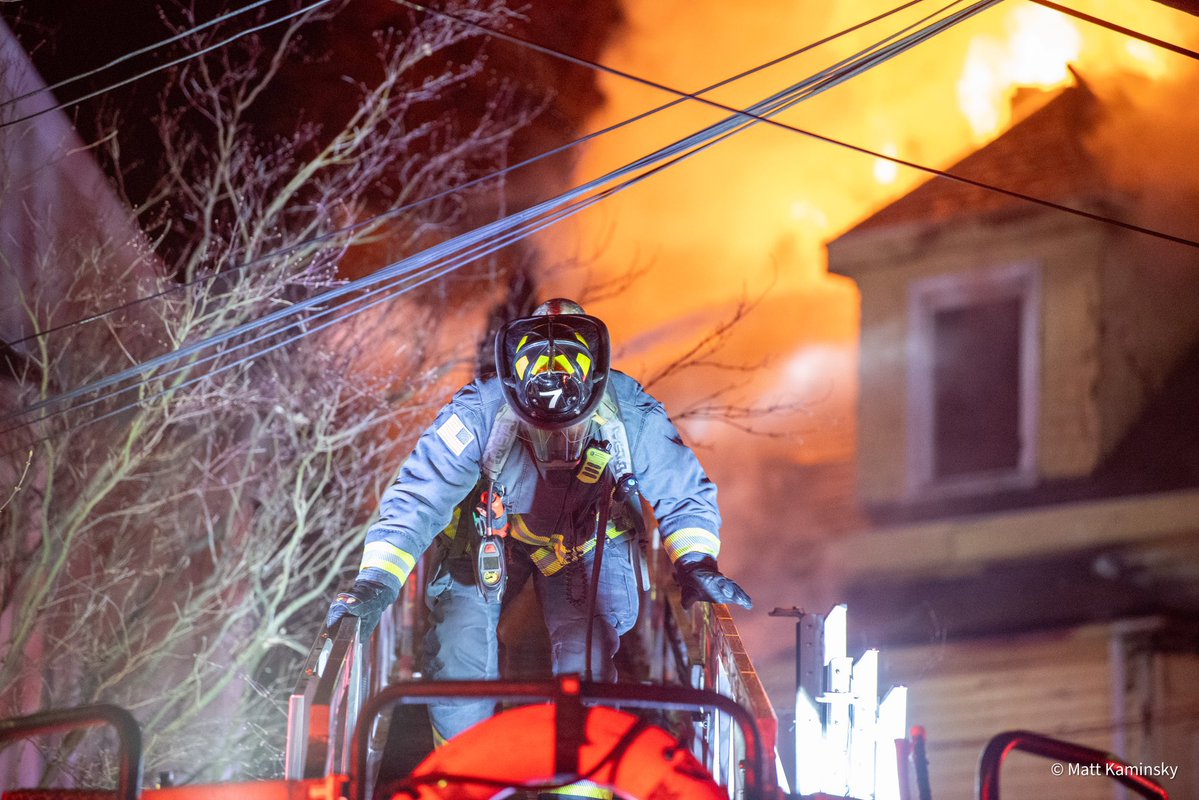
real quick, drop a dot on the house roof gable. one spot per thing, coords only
(1044, 156)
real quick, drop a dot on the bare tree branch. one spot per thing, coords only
(176, 556)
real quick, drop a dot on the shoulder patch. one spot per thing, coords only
(455, 435)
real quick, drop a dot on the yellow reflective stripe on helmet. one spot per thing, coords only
(691, 540)
(520, 366)
(584, 363)
(389, 558)
(560, 364)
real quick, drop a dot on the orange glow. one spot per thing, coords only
(752, 215)
(1150, 61)
(886, 172)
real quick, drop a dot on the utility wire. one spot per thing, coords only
(690, 96)
(424, 276)
(1111, 26)
(255, 29)
(770, 106)
(121, 59)
(404, 283)
(390, 213)
(683, 148)
(828, 139)
(680, 97)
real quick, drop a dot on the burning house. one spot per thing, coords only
(1027, 457)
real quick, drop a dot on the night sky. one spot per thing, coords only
(68, 37)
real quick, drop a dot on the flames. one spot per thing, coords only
(1035, 50)
(752, 215)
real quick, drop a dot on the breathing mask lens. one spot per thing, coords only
(557, 448)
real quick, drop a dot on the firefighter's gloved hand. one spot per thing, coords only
(701, 580)
(366, 600)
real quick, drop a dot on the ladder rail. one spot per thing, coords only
(129, 737)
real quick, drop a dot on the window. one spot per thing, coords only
(972, 376)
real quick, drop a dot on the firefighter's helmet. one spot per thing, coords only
(553, 367)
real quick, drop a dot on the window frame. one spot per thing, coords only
(927, 296)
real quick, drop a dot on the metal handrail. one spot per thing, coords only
(129, 737)
(704, 650)
(313, 729)
(660, 697)
(1002, 744)
(699, 648)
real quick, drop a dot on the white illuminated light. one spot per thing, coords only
(845, 738)
(809, 745)
(892, 725)
(863, 739)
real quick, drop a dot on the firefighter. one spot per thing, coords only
(537, 452)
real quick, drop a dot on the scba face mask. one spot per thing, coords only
(560, 448)
(554, 369)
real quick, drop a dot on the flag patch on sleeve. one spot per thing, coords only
(455, 435)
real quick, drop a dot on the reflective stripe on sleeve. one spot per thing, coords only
(389, 558)
(691, 540)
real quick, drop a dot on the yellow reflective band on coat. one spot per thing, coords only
(691, 540)
(389, 558)
(580, 789)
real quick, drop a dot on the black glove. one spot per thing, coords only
(366, 600)
(701, 580)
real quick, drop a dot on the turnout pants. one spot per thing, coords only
(462, 643)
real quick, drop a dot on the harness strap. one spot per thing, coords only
(612, 429)
(504, 430)
(499, 443)
(550, 556)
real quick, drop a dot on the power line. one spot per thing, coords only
(1111, 26)
(759, 112)
(819, 137)
(384, 216)
(429, 274)
(831, 78)
(680, 96)
(672, 154)
(182, 59)
(142, 51)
